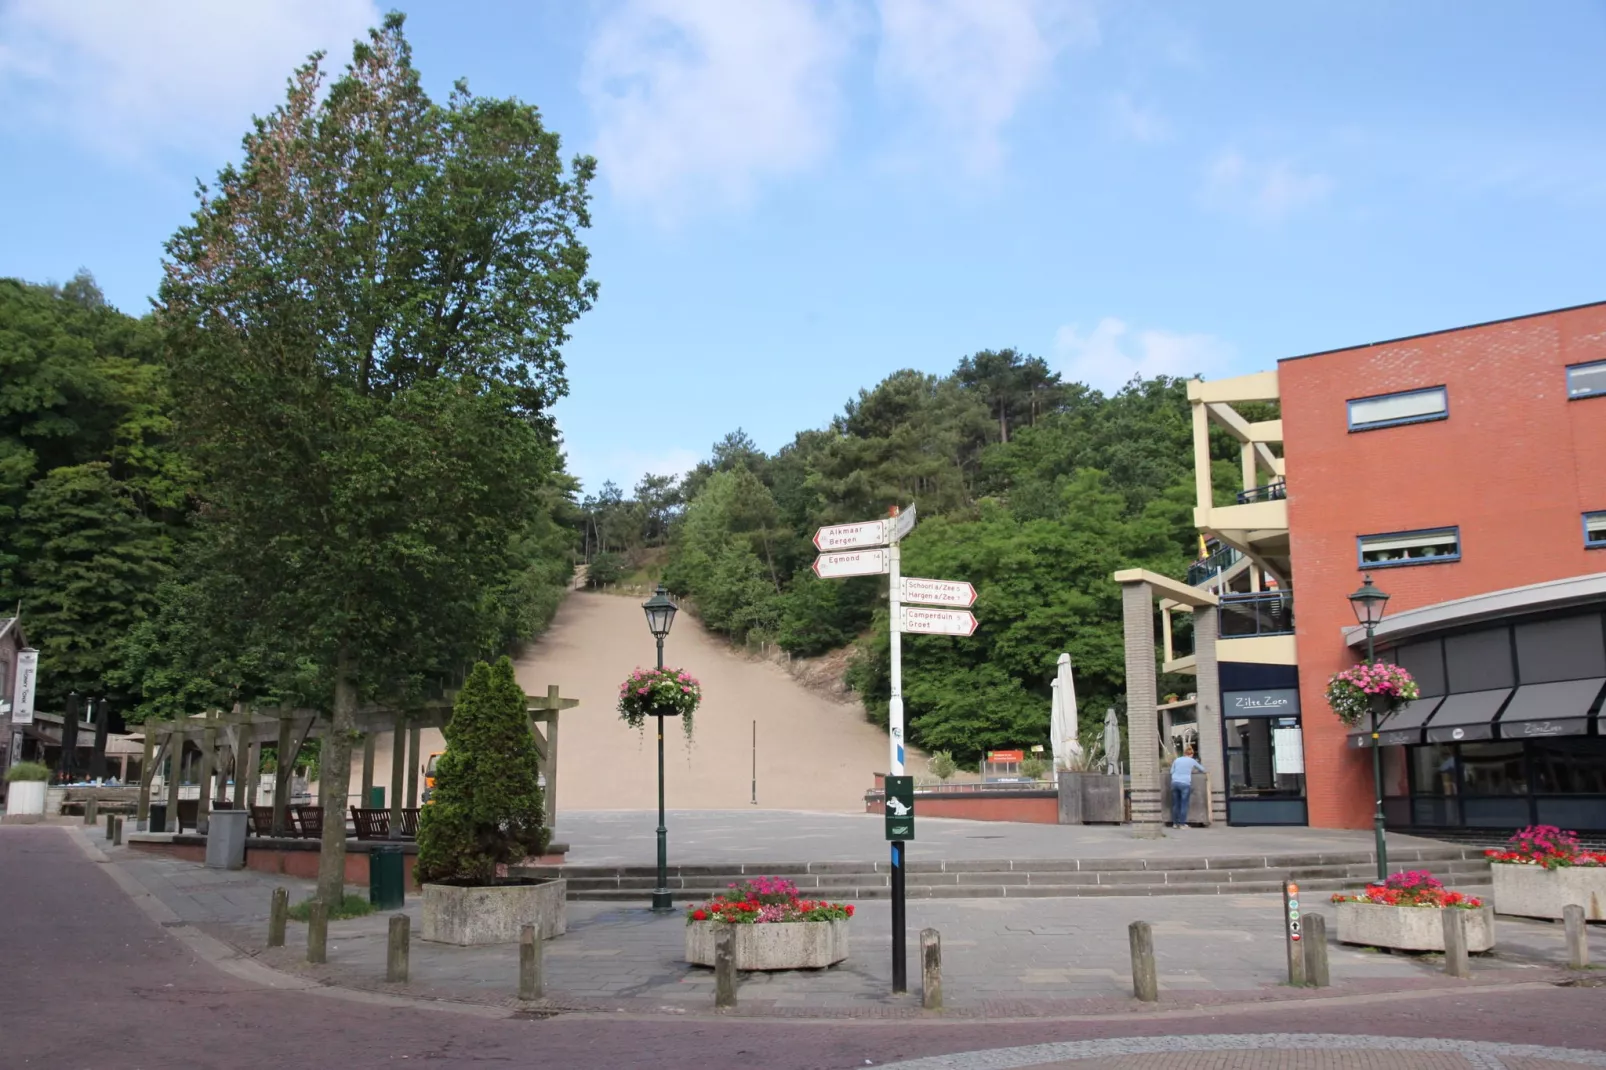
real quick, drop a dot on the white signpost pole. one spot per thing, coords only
(895, 705)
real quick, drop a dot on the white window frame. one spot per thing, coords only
(1595, 367)
(1595, 530)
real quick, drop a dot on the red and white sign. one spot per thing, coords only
(853, 563)
(1006, 756)
(955, 593)
(918, 620)
(852, 536)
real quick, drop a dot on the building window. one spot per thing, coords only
(1586, 380)
(1595, 529)
(1410, 548)
(1390, 410)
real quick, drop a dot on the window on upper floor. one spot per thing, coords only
(1390, 410)
(1595, 529)
(1410, 548)
(1586, 380)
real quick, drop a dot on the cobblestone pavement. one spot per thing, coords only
(1001, 958)
(103, 976)
(706, 837)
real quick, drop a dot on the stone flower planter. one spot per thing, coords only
(1409, 928)
(786, 945)
(494, 913)
(25, 801)
(1537, 892)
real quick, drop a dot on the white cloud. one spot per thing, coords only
(970, 63)
(1267, 192)
(1109, 355)
(704, 97)
(1135, 121)
(125, 77)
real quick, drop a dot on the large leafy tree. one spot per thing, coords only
(366, 318)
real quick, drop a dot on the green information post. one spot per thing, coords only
(900, 814)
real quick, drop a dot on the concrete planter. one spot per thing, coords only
(1408, 928)
(787, 945)
(1102, 801)
(494, 913)
(1537, 892)
(25, 801)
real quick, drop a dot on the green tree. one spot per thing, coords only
(366, 317)
(486, 810)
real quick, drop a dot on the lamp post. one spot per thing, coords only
(660, 610)
(1368, 604)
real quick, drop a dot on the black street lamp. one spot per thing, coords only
(660, 610)
(1369, 603)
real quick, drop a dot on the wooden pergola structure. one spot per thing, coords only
(242, 734)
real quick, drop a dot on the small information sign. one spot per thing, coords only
(900, 807)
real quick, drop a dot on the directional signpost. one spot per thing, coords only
(853, 563)
(870, 549)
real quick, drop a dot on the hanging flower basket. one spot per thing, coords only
(659, 692)
(1359, 689)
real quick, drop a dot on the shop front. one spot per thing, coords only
(1263, 740)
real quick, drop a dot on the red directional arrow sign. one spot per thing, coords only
(917, 619)
(955, 593)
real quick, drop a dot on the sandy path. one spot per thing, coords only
(813, 753)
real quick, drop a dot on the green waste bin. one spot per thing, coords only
(158, 818)
(376, 798)
(386, 889)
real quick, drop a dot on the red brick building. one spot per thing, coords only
(1465, 472)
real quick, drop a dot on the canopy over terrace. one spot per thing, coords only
(242, 733)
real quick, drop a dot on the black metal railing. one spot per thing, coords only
(1208, 567)
(1271, 492)
(1261, 613)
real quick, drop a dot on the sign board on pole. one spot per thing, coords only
(903, 523)
(853, 563)
(900, 807)
(921, 621)
(956, 593)
(853, 536)
(27, 681)
(1293, 931)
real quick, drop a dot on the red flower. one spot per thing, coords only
(699, 915)
(850, 910)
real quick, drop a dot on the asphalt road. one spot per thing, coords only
(87, 980)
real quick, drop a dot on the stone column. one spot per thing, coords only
(414, 740)
(398, 765)
(1208, 682)
(1143, 744)
(282, 761)
(368, 742)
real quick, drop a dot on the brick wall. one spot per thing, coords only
(1514, 466)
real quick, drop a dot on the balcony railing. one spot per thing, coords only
(1208, 568)
(1262, 613)
(1271, 492)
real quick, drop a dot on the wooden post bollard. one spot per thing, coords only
(1577, 937)
(530, 985)
(1145, 982)
(1315, 941)
(724, 966)
(1456, 963)
(396, 957)
(91, 811)
(117, 833)
(317, 932)
(111, 819)
(931, 969)
(278, 914)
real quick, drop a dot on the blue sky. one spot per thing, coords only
(797, 198)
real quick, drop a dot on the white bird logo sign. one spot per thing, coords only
(898, 808)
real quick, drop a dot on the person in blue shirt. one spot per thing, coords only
(1182, 787)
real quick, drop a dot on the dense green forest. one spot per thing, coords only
(1033, 489)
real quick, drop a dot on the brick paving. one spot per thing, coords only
(1002, 958)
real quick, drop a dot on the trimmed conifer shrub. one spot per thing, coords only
(486, 809)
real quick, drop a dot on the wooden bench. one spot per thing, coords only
(372, 824)
(410, 823)
(262, 821)
(309, 821)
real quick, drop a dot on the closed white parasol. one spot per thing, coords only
(1067, 748)
(1112, 742)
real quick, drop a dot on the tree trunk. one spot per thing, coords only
(334, 783)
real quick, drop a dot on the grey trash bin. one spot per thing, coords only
(225, 839)
(158, 818)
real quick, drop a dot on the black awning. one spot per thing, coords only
(1467, 716)
(1402, 726)
(1554, 709)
